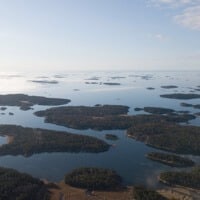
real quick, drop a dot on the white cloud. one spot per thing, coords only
(188, 11)
(175, 3)
(189, 18)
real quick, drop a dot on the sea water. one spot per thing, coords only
(127, 156)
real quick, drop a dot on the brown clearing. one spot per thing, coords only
(66, 192)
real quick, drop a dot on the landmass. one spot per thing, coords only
(183, 178)
(117, 77)
(95, 78)
(91, 83)
(158, 110)
(141, 193)
(159, 131)
(25, 102)
(3, 108)
(138, 109)
(28, 141)
(44, 81)
(197, 106)
(64, 191)
(94, 179)
(103, 117)
(181, 96)
(111, 137)
(170, 159)
(21, 186)
(99, 117)
(168, 136)
(150, 88)
(169, 86)
(110, 83)
(16, 185)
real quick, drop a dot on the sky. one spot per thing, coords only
(49, 35)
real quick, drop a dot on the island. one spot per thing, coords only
(170, 159)
(3, 108)
(99, 117)
(95, 78)
(110, 83)
(168, 136)
(21, 186)
(150, 88)
(181, 96)
(93, 83)
(197, 106)
(111, 137)
(117, 77)
(158, 110)
(25, 102)
(138, 109)
(141, 193)
(182, 178)
(28, 141)
(94, 179)
(44, 81)
(169, 86)
(157, 130)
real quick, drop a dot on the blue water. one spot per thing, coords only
(127, 157)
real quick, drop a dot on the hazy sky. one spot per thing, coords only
(99, 35)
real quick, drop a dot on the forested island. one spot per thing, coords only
(183, 178)
(25, 102)
(44, 81)
(21, 186)
(111, 83)
(105, 117)
(150, 88)
(170, 159)
(169, 86)
(197, 106)
(94, 179)
(168, 136)
(158, 110)
(181, 96)
(157, 130)
(27, 141)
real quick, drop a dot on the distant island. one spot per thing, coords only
(44, 81)
(94, 179)
(158, 110)
(181, 96)
(183, 178)
(111, 137)
(28, 141)
(169, 86)
(21, 186)
(110, 83)
(150, 88)
(170, 159)
(197, 106)
(25, 102)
